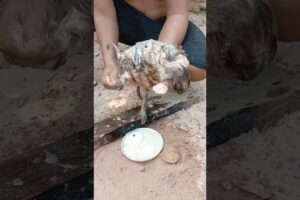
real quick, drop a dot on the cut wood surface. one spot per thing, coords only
(79, 188)
(38, 107)
(118, 125)
(184, 130)
(234, 108)
(30, 174)
(42, 113)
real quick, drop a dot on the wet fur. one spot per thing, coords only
(156, 61)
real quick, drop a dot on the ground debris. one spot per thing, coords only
(50, 158)
(170, 155)
(254, 188)
(182, 127)
(17, 182)
(118, 118)
(142, 169)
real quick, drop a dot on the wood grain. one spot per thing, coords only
(110, 129)
(74, 157)
(259, 117)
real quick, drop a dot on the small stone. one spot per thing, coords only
(50, 158)
(118, 118)
(227, 185)
(107, 125)
(17, 182)
(95, 83)
(170, 155)
(142, 168)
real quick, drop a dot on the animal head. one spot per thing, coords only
(180, 81)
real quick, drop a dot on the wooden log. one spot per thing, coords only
(81, 187)
(110, 129)
(32, 173)
(259, 117)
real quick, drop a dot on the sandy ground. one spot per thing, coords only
(257, 165)
(117, 178)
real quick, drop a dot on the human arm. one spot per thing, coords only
(176, 24)
(107, 31)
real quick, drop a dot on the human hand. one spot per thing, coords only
(24, 29)
(109, 76)
(182, 60)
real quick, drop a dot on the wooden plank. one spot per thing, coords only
(259, 116)
(112, 128)
(30, 174)
(81, 187)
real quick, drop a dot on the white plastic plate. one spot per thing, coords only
(142, 144)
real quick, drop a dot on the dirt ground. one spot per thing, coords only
(257, 165)
(117, 178)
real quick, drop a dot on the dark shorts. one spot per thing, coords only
(134, 26)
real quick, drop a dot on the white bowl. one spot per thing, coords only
(142, 144)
